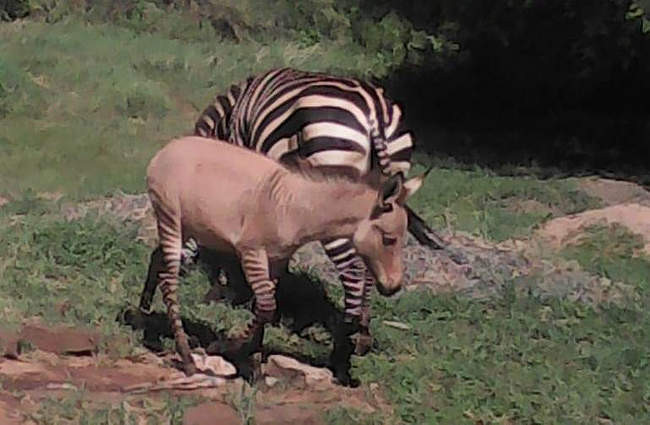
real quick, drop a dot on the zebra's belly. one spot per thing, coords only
(210, 239)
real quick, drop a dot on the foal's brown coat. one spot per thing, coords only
(232, 199)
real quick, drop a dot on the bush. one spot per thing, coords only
(13, 9)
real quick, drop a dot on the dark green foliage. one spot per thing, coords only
(13, 9)
(563, 82)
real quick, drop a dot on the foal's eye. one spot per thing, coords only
(388, 240)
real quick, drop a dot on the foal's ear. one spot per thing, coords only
(411, 186)
(391, 189)
(389, 193)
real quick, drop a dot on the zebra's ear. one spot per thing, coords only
(411, 186)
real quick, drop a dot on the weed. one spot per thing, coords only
(78, 408)
(243, 401)
(346, 415)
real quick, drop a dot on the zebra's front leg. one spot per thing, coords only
(352, 274)
(364, 339)
(357, 285)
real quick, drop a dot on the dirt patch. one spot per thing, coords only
(567, 230)
(612, 192)
(211, 413)
(9, 410)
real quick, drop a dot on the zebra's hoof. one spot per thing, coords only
(345, 379)
(146, 310)
(363, 344)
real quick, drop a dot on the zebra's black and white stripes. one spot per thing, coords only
(329, 121)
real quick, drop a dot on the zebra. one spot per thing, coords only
(332, 123)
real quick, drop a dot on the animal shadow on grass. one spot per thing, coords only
(301, 301)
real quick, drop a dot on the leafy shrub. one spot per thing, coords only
(13, 9)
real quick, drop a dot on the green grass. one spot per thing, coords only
(494, 207)
(614, 252)
(514, 358)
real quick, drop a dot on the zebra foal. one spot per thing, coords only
(239, 202)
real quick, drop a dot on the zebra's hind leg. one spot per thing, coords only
(156, 265)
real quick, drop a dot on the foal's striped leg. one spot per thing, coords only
(169, 235)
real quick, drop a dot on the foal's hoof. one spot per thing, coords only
(230, 348)
(215, 294)
(190, 368)
(251, 369)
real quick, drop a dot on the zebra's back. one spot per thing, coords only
(326, 120)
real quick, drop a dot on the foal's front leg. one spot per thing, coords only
(256, 269)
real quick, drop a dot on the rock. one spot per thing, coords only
(270, 381)
(214, 365)
(61, 340)
(567, 230)
(297, 373)
(9, 345)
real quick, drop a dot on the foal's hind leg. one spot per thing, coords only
(169, 234)
(189, 254)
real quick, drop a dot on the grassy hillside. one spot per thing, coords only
(77, 98)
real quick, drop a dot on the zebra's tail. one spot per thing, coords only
(422, 232)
